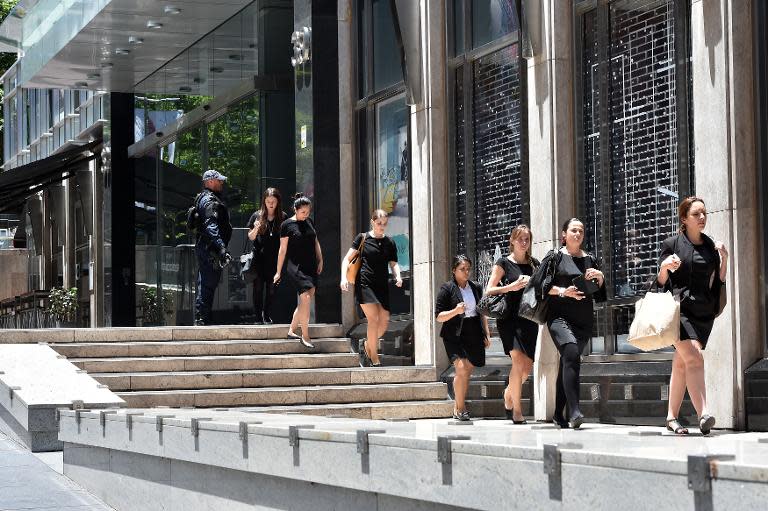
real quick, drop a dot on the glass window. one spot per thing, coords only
(631, 147)
(492, 19)
(391, 189)
(458, 27)
(387, 67)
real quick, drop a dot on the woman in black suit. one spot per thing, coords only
(577, 283)
(693, 267)
(465, 332)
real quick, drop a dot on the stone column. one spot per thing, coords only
(551, 148)
(46, 244)
(69, 241)
(429, 185)
(347, 175)
(726, 178)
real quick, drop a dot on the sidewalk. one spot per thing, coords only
(31, 482)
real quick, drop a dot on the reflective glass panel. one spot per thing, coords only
(492, 19)
(387, 67)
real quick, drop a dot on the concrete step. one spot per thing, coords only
(269, 396)
(188, 380)
(170, 333)
(193, 348)
(383, 410)
(215, 363)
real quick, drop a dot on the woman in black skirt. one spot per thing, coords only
(693, 267)
(300, 247)
(578, 282)
(379, 253)
(518, 335)
(264, 232)
(464, 331)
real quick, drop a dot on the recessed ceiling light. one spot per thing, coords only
(122, 51)
(154, 24)
(234, 56)
(135, 39)
(216, 69)
(169, 9)
(185, 88)
(93, 76)
(82, 85)
(106, 65)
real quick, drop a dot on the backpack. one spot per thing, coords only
(193, 216)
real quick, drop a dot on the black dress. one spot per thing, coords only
(301, 261)
(697, 284)
(516, 333)
(267, 245)
(372, 285)
(570, 320)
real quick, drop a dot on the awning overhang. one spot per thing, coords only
(20, 183)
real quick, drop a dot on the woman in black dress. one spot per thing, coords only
(300, 247)
(518, 335)
(264, 232)
(465, 332)
(372, 283)
(693, 267)
(578, 281)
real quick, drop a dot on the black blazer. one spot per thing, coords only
(679, 281)
(448, 298)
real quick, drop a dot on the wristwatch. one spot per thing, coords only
(561, 293)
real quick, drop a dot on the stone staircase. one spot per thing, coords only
(255, 367)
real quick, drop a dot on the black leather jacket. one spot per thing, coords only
(215, 229)
(448, 298)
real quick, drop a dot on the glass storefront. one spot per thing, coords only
(489, 185)
(635, 160)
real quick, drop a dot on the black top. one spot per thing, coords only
(512, 272)
(267, 245)
(376, 256)
(576, 312)
(448, 298)
(301, 244)
(696, 281)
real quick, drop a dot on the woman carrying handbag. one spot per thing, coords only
(693, 267)
(518, 335)
(367, 265)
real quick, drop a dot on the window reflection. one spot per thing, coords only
(391, 186)
(492, 19)
(387, 68)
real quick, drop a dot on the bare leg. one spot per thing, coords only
(691, 353)
(464, 370)
(676, 386)
(371, 311)
(305, 300)
(521, 368)
(373, 346)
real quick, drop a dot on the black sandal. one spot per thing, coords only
(706, 422)
(674, 426)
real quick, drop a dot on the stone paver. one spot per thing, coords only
(28, 483)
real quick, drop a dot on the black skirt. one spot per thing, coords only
(302, 281)
(372, 294)
(518, 334)
(470, 345)
(564, 332)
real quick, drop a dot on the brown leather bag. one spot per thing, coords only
(354, 265)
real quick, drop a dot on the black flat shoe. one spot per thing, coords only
(706, 422)
(576, 421)
(674, 426)
(519, 422)
(559, 421)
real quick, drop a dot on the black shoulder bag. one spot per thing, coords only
(534, 303)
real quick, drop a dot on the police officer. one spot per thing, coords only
(213, 235)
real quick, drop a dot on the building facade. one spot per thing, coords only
(460, 118)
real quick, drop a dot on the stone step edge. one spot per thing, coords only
(388, 369)
(259, 356)
(306, 388)
(193, 342)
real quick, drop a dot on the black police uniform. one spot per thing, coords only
(213, 235)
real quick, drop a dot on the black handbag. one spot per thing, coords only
(534, 303)
(494, 306)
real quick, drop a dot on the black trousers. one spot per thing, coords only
(263, 295)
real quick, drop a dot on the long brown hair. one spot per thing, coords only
(516, 233)
(263, 215)
(685, 207)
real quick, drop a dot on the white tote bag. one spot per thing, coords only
(657, 322)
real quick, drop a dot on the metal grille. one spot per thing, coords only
(497, 195)
(632, 164)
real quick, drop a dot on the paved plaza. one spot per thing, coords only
(34, 482)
